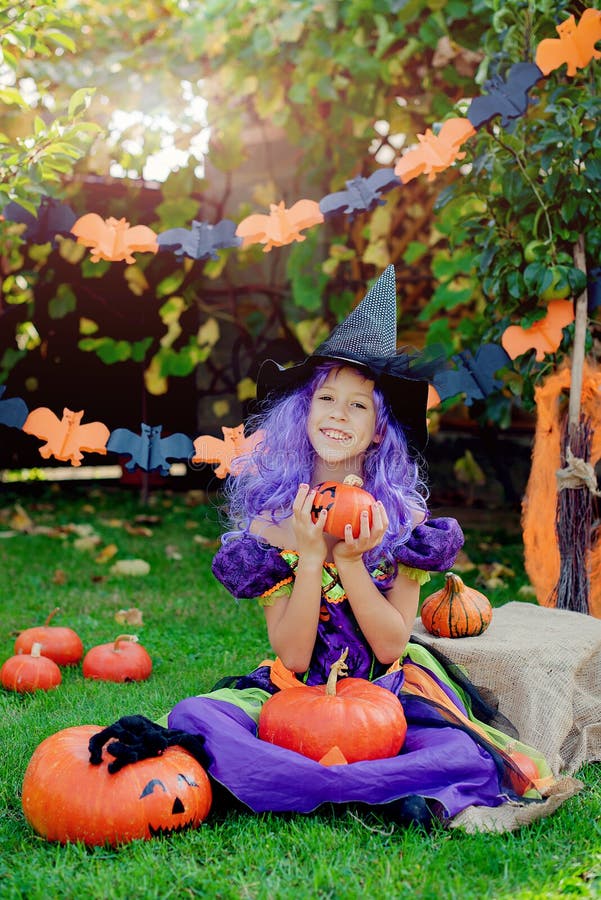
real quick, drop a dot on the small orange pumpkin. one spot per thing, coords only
(354, 718)
(26, 672)
(66, 798)
(344, 501)
(121, 660)
(59, 643)
(456, 610)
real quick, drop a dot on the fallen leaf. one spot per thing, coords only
(206, 542)
(139, 530)
(7, 534)
(20, 520)
(90, 542)
(527, 590)
(493, 584)
(97, 579)
(112, 523)
(131, 616)
(88, 509)
(172, 552)
(195, 498)
(130, 567)
(496, 570)
(59, 577)
(463, 563)
(107, 553)
(145, 519)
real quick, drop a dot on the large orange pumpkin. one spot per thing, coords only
(456, 610)
(27, 672)
(358, 719)
(344, 501)
(59, 643)
(121, 660)
(66, 798)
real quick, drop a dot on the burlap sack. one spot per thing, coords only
(544, 666)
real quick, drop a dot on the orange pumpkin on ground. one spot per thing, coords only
(66, 798)
(456, 610)
(335, 722)
(27, 672)
(121, 660)
(59, 643)
(344, 501)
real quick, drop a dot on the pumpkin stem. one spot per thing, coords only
(353, 480)
(338, 670)
(455, 580)
(52, 615)
(36, 650)
(124, 637)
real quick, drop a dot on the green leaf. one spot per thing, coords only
(62, 303)
(79, 101)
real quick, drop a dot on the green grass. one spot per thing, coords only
(196, 633)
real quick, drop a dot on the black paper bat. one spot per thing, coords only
(508, 99)
(474, 375)
(149, 450)
(53, 217)
(13, 412)
(594, 289)
(201, 240)
(362, 194)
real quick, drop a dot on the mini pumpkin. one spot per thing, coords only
(123, 659)
(27, 672)
(59, 643)
(456, 610)
(344, 502)
(66, 798)
(335, 722)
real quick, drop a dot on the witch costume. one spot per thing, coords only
(457, 750)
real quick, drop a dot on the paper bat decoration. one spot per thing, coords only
(281, 226)
(209, 449)
(53, 217)
(594, 289)
(436, 152)
(362, 194)
(201, 240)
(508, 99)
(544, 336)
(575, 45)
(474, 375)
(113, 239)
(13, 412)
(66, 437)
(149, 450)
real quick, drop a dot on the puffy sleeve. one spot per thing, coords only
(432, 546)
(249, 568)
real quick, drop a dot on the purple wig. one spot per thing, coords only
(269, 477)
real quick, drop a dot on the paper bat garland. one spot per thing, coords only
(148, 450)
(66, 437)
(508, 99)
(209, 449)
(281, 226)
(436, 152)
(53, 217)
(13, 411)
(544, 336)
(113, 239)
(201, 240)
(361, 194)
(575, 45)
(474, 375)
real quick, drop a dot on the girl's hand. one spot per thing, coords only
(352, 549)
(310, 540)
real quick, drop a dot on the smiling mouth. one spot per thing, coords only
(341, 437)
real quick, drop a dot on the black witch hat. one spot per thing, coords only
(366, 340)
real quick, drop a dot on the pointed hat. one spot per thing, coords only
(366, 340)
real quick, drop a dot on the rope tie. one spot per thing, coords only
(577, 473)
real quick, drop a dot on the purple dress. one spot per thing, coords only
(453, 753)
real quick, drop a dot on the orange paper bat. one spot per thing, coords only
(436, 152)
(66, 437)
(209, 449)
(281, 226)
(544, 336)
(113, 239)
(575, 45)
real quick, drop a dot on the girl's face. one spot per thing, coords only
(342, 416)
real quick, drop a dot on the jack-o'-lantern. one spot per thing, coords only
(344, 502)
(66, 798)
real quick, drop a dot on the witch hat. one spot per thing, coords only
(366, 340)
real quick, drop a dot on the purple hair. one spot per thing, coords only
(269, 477)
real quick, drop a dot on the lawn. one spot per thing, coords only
(195, 633)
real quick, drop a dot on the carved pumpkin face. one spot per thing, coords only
(344, 503)
(66, 798)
